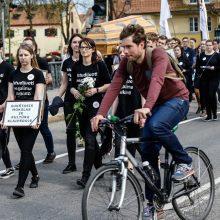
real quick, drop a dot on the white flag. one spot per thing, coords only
(164, 16)
(203, 21)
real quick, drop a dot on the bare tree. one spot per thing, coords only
(63, 10)
(117, 9)
(60, 8)
(30, 7)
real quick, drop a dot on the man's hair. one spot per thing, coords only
(163, 37)
(216, 40)
(135, 30)
(185, 38)
(1, 43)
(209, 41)
(33, 41)
(152, 36)
(192, 38)
(177, 40)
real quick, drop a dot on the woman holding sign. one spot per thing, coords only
(26, 83)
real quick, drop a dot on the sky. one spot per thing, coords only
(87, 3)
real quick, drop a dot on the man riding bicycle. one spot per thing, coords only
(166, 102)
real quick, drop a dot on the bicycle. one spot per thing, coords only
(114, 192)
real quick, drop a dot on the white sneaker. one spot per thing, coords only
(8, 173)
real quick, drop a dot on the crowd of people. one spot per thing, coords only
(127, 92)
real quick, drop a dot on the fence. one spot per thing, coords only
(55, 68)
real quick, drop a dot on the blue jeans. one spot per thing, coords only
(159, 127)
(45, 131)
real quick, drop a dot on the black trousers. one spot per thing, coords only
(70, 132)
(26, 138)
(92, 154)
(208, 90)
(45, 131)
(4, 152)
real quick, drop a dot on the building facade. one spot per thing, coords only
(185, 15)
(46, 29)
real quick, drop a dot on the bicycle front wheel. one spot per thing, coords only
(197, 201)
(98, 194)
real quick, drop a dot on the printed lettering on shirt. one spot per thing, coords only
(127, 87)
(1, 77)
(81, 76)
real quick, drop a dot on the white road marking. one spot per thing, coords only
(57, 156)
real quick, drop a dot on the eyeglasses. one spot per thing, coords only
(85, 47)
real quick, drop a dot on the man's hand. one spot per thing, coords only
(140, 116)
(95, 122)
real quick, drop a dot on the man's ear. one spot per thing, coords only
(142, 44)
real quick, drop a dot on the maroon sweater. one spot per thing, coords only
(156, 90)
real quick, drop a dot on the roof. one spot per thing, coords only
(40, 17)
(149, 6)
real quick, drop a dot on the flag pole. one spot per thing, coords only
(173, 26)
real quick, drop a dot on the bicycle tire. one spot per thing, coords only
(202, 198)
(97, 194)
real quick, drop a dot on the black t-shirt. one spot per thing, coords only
(42, 63)
(208, 60)
(184, 63)
(67, 67)
(5, 70)
(99, 73)
(129, 99)
(25, 83)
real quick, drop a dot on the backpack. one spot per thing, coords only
(173, 62)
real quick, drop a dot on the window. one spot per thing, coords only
(77, 31)
(51, 32)
(209, 24)
(72, 31)
(30, 33)
(16, 16)
(195, 1)
(12, 33)
(193, 24)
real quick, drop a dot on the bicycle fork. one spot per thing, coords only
(122, 177)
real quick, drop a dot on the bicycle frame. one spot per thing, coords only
(123, 162)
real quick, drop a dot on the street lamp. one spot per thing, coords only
(3, 5)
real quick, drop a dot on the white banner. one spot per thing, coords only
(203, 21)
(164, 16)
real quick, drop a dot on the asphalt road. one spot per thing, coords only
(58, 197)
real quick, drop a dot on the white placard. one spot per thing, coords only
(21, 113)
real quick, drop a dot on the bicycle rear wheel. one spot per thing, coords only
(197, 204)
(98, 191)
